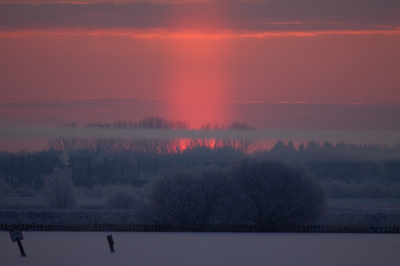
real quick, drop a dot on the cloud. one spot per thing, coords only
(149, 34)
(85, 2)
(261, 16)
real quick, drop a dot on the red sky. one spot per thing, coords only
(196, 57)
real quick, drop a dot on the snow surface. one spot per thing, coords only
(202, 249)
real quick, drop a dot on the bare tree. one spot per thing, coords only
(59, 191)
(274, 193)
(151, 145)
(243, 145)
(186, 198)
(63, 144)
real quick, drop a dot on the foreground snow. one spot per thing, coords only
(139, 248)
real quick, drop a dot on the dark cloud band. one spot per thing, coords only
(235, 15)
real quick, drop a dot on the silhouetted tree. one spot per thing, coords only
(275, 193)
(186, 198)
(63, 144)
(243, 145)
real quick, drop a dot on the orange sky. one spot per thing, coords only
(195, 55)
(323, 68)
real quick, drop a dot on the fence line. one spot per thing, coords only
(313, 228)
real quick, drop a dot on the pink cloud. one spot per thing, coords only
(149, 34)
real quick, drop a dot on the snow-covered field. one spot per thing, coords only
(146, 248)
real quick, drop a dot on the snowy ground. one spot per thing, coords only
(219, 249)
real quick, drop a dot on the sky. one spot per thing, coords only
(279, 65)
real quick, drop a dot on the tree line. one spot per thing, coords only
(345, 161)
(93, 146)
(265, 194)
(327, 151)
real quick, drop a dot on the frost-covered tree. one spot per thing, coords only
(59, 191)
(186, 198)
(266, 194)
(273, 193)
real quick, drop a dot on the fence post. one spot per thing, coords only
(21, 248)
(16, 236)
(111, 243)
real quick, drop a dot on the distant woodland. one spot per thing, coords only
(108, 161)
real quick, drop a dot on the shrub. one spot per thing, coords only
(59, 190)
(189, 199)
(274, 193)
(266, 194)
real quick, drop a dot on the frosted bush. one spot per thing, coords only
(266, 194)
(59, 191)
(187, 198)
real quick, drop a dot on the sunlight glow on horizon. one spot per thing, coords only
(197, 74)
(35, 138)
